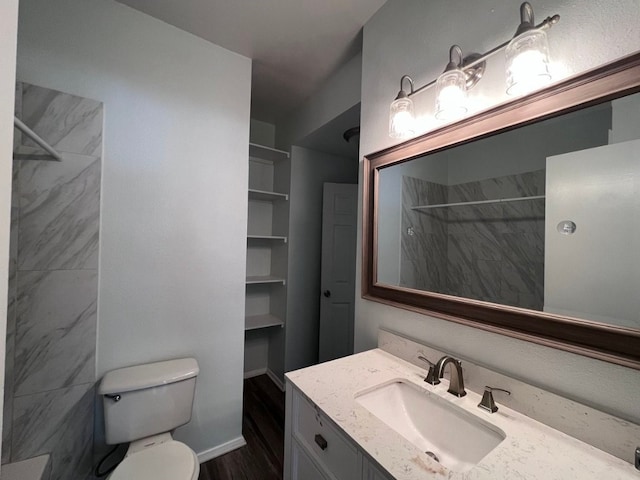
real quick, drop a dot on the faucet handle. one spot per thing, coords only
(432, 375)
(487, 402)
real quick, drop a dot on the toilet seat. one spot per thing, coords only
(165, 461)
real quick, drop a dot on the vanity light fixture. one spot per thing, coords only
(452, 85)
(527, 55)
(527, 68)
(401, 116)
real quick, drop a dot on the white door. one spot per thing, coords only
(339, 216)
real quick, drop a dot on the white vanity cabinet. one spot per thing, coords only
(316, 448)
(370, 472)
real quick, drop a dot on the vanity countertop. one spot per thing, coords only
(531, 450)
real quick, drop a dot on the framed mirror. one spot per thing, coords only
(523, 220)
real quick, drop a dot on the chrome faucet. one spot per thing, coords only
(456, 382)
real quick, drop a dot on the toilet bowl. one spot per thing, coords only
(143, 404)
(169, 460)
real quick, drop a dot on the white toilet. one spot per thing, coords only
(143, 405)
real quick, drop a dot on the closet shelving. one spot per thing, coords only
(267, 237)
(267, 228)
(263, 279)
(255, 322)
(266, 196)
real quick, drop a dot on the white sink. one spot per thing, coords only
(457, 438)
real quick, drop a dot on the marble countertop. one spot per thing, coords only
(530, 451)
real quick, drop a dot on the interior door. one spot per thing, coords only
(339, 216)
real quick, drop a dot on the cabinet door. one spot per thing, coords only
(370, 472)
(302, 467)
(324, 442)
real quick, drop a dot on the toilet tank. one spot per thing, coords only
(149, 399)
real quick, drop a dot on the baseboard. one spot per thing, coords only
(275, 379)
(221, 449)
(255, 373)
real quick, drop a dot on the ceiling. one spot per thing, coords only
(295, 44)
(329, 138)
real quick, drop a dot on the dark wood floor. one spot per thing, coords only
(263, 429)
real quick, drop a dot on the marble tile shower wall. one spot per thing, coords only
(53, 284)
(491, 252)
(423, 255)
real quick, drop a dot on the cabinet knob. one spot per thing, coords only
(322, 443)
(327, 293)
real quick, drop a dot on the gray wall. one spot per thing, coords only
(174, 183)
(309, 171)
(53, 285)
(339, 93)
(262, 133)
(8, 39)
(394, 44)
(594, 273)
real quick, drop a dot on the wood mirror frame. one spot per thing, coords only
(619, 345)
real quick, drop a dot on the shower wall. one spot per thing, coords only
(423, 257)
(492, 252)
(53, 284)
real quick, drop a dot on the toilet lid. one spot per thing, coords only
(167, 461)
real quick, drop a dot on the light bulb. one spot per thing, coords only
(451, 95)
(527, 62)
(401, 118)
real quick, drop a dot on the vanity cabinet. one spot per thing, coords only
(302, 465)
(316, 448)
(370, 472)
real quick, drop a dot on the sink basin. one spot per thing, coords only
(446, 432)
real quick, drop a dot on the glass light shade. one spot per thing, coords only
(451, 95)
(401, 118)
(527, 62)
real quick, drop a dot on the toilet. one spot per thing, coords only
(143, 404)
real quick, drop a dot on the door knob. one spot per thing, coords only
(327, 293)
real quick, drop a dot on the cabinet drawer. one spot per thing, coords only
(303, 468)
(323, 441)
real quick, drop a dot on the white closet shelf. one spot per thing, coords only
(267, 153)
(267, 237)
(257, 280)
(254, 322)
(477, 202)
(266, 196)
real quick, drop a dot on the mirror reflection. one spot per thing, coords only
(543, 217)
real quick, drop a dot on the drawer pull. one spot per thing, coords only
(322, 443)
